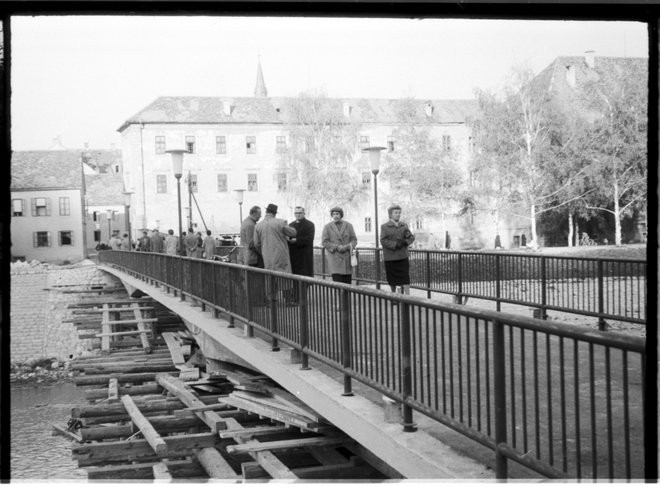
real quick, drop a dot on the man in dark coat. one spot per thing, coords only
(301, 247)
(145, 242)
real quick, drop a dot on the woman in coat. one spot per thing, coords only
(339, 239)
(395, 236)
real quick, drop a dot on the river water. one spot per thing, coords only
(35, 453)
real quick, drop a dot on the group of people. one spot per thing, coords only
(193, 243)
(275, 245)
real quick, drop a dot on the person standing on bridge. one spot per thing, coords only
(301, 247)
(126, 243)
(171, 243)
(190, 241)
(270, 239)
(339, 240)
(209, 246)
(249, 254)
(145, 242)
(395, 237)
(199, 250)
(156, 241)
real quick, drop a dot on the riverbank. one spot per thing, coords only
(40, 371)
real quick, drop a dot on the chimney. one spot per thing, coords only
(570, 76)
(226, 105)
(590, 58)
(347, 109)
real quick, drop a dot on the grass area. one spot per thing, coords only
(631, 251)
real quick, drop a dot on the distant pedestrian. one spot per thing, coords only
(339, 240)
(270, 240)
(498, 242)
(156, 241)
(171, 243)
(115, 242)
(249, 255)
(523, 240)
(126, 243)
(209, 246)
(447, 240)
(199, 250)
(190, 241)
(301, 247)
(395, 237)
(145, 242)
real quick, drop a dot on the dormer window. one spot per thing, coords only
(570, 76)
(226, 107)
(190, 143)
(428, 109)
(347, 109)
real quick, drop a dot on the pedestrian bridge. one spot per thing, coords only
(429, 390)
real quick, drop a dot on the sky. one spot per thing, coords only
(80, 77)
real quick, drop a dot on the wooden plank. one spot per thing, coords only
(187, 373)
(93, 302)
(256, 431)
(335, 472)
(273, 413)
(161, 472)
(113, 390)
(106, 328)
(119, 333)
(209, 407)
(96, 291)
(130, 471)
(129, 369)
(179, 389)
(215, 465)
(164, 423)
(142, 327)
(296, 404)
(279, 404)
(61, 430)
(174, 348)
(130, 321)
(288, 444)
(122, 309)
(147, 430)
(253, 471)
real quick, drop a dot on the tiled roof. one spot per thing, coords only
(104, 189)
(46, 169)
(194, 109)
(102, 160)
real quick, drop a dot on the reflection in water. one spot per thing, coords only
(35, 453)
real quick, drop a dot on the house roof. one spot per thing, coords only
(102, 160)
(46, 169)
(104, 189)
(195, 109)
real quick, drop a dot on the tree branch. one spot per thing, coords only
(601, 209)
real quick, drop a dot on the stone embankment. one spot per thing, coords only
(39, 338)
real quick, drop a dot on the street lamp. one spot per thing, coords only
(127, 204)
(374, 162)
(110, 212)
(239, 198)
(177, 168)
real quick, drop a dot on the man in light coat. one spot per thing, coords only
(156, 241)
(249, 255)
(171, 243)
(339, 240)
(209, 246)
(270, 240)
(190, 243)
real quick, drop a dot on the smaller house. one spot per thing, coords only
(47, 209)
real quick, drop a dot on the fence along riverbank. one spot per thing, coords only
(562, 400)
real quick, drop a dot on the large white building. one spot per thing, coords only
(235, 143)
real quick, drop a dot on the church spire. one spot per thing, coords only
(260, 88)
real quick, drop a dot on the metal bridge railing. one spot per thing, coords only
(560, 400)
(608, 289)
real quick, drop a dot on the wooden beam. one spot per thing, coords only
(256, 431)
(61, 430)
(161, 472)
(119, 333)
(274, 413)
(179, 389)
(121, 378)
(174, 347)
(113, 390)
(130, 471)
(153, 438)
(131, 321)
(106, 329)
(288, 444)
(161, 423)
(215, 464)
(122, 309)
(141, 326)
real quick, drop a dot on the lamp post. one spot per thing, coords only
(374, 162)
(127, 204)
(239, 199)
(109, 224)
(177, 168)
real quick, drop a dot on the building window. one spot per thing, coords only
(446, 143)
(364, 141)
(41, 239)
(367, 223)
(221, 144)
(390, 143)
(222, 183)
(97, 235)
(161, 183)
(251, 144)
(252, 182)
(40, 206)
(419, 223)
(65, 206)
(470, 144)
(193, 183)
(366, 179)
(190, 143)
(280, 144)
(281, 181)
(117, 168)
(66, 238)
(17, 208)
(160, 144)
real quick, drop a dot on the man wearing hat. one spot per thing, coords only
(270, 240)
(156, 241)
(339, 240)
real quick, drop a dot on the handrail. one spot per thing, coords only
(545, 395)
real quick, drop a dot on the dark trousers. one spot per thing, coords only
(345, 278)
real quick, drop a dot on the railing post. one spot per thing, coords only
(304, 323)
(406, 367)
(459, 296)
(428, 274)
(323, 262)
(272, 295)
(346, 341)
(499, 371)
(249, 330)
(544, 302)
(230, 283)
(377, 264)
(602, 324)
(182, 296)
(498, 283)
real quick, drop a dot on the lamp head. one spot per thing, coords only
(109, 212)
(374, 157)
(239, 195)
(177, 161)
(127, 197)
